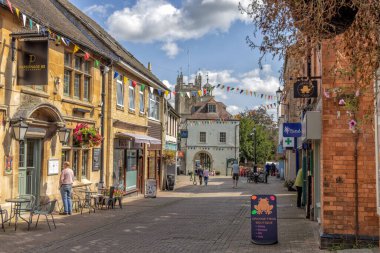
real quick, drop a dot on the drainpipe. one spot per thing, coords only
(235, 138)
(103, 96)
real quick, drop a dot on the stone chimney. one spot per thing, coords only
(149, 66)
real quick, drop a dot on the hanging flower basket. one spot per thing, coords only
(86, 136)
(169, 156)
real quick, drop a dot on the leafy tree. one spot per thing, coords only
(265, 135)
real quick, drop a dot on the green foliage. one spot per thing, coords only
(265, 136)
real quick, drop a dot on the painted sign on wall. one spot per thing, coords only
(32, 62)
(264, 219)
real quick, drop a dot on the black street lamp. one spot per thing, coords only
(255, 148)
(19, 130)
(63, 135)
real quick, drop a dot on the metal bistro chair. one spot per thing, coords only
(46, 209)
(110, 199)
(3, 212)
(29, 206)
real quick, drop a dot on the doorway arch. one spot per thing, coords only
(205, 159)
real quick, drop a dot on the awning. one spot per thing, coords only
(140, 138)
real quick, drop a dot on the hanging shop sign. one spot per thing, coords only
(305, 89)
(264, 219)
(96, 159)
(184, 133)
(288, 142)
(32, 62)
(292, 130)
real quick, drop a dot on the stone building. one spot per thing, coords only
(339, 176)
(211, 135)
(90, 79)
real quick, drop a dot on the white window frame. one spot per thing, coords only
(200, 137)
(211, 105)
(131, 96)
(154, 106)
(119, 83)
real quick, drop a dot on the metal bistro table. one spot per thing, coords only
(17, 210)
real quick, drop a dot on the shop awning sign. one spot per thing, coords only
(292, 130)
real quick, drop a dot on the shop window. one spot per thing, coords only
(119, 92)
(85, 164)
(142, 101)
(154, 104)
(131, 180)
(222, 137)
(68, 62)
(65, 157)
(118, 168)
(202, 137)
(131, 96)
(75, 162)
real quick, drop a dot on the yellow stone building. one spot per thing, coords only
(85, 77)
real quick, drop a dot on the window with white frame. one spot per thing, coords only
(154, 106)
(131, 96)
(142, 101)
(119, 91)
(202, 137)
(222, 137)
(211, 108)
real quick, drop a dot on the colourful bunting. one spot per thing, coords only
(115, 75)
(10, 6)
(151, 90)
(228, 88)
(31, 23)
(17, 12)
(24, 19)
(159, 92)
(96, 64)
(134, 83)
(76, 49)
(142, 87)
(38, 28)
(200, 93)
(86, 56)
(125, 80)
(241, 91)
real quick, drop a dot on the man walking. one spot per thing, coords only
(66, 183)
(267, 171)
(235, 174)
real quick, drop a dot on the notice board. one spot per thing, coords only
(264, 219)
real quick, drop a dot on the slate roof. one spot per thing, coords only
(202, 114)
(64, 18)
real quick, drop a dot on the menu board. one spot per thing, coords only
(264, 219)
(53, 167)
(150, 188)
(96, 159)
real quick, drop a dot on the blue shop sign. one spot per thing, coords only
(184, 133)
(292, 130)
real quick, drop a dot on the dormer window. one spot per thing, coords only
(211, 108)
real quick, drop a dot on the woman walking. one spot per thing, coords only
(205, 176)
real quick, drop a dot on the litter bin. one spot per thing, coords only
(170, 179)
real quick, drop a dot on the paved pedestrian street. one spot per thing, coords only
(190, 219)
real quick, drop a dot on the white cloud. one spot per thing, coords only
(96, 9)
(233, 109)
(171, 49)
(159, 20)
(167, 84)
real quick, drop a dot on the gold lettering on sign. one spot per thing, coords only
(32, 58)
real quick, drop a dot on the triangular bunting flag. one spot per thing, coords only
(125, 80)
(241, 91)
(10, 6)
(218, 85)
(222, 87)
(86, 56)
(188, 94)
(38, 28)
(159, 92)
(254, 93)
(237, 89)
(30, 23)
(246, 92)
(24, 19)
(142, 87)
(151, 89)
(232, 88)
(17, 12)
(166, 92)
(251, 92)
(76, 49)
(199, 93)
(96, 64)
(262, 95)
(228, 88)
(134, 83)
(115, 75)
(58, 40)
(204, 91)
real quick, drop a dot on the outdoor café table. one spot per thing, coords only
(87, 200)
(17, 210)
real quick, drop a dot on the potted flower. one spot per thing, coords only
(86, 136)
(118, 195)
(169, 156)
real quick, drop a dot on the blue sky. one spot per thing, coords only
(212, 31)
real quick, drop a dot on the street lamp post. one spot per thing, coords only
(255, 149)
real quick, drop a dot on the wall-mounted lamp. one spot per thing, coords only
(63, 135)
(19, 130)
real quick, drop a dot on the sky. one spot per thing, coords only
(192, 36)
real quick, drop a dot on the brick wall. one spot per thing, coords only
(338, 164)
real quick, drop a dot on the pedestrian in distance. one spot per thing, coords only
(205, 175)
(200, 175)
(298, 184)
(235, 174)
(267, 171)
(65, 185)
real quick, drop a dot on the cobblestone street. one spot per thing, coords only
(190, 219)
